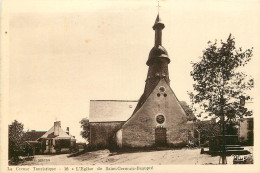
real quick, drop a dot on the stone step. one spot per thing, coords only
(229, 152)
(237, 152)
(231, 145)
(234, 148)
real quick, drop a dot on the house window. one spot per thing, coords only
(250, 125)
(250, 138)
(196, 134)
(65, 143)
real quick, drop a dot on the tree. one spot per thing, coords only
(16, 140)
(207, 129)
(220, 84)
(188, 110)
(85, 125)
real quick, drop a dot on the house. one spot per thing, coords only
(56, 140)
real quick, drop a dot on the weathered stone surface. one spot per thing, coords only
(139, 130)
(101, 133)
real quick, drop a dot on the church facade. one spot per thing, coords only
(158, 118)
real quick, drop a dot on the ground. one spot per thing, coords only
(104, 157)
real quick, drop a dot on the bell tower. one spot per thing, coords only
(158, 60)
(158, 119)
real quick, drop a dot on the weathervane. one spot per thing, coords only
(158, 6)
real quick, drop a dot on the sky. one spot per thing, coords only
(61, 54)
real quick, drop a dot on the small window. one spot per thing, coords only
(165, 95)
(162, 89)
(158, 95)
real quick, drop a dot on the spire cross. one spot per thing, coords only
(158, 6)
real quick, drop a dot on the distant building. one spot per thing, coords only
(246, 131)
(56, 140)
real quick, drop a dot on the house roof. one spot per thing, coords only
(62, 134)
(111, 110)
(34, 135)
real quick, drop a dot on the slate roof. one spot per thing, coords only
(111, 110)
(34, 135)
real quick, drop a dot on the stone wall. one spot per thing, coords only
(101, 133)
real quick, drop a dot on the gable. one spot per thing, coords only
(51, 130)
(50, 134)
(168, 105)
(110, 110)
(161, 109)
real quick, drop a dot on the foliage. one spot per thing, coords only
(85, 125)
(16, 138)
(207, 129)
(188, 110)
(220, 85)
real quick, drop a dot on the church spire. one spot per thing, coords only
(158, 52)
(158, 27)
(158, 61)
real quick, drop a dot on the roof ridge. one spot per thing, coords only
(117, 100)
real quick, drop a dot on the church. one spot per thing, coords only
(157, 119)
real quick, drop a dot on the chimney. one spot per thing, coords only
(56, 128)
(68, 130)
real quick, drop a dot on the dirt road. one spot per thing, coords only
(104, 157)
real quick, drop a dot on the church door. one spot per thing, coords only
(160, 136)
